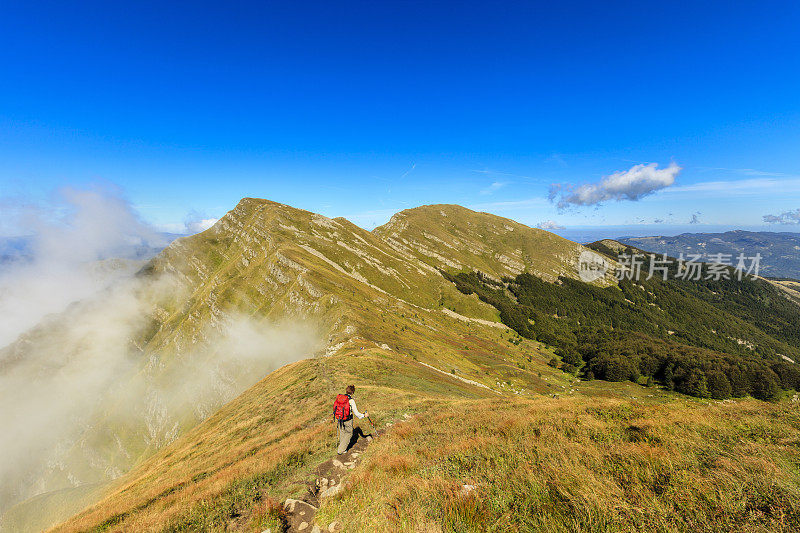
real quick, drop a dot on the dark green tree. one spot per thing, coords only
(719, 387)
(765, 386)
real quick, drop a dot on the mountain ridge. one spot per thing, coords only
(386, 315)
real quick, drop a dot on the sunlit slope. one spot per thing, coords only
(649, 460)
(456, 238)
(278, 262)
(273, 260)
(273, 264)
(263, 444)
(580, 464)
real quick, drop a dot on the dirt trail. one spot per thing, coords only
(330, 478)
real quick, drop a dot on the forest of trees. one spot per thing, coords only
(710, 339)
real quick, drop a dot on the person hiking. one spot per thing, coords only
(343, 410)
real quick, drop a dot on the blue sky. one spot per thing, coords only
(363, 109)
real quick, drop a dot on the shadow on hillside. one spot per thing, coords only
(358, 433)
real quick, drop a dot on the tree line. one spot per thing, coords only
(710, 339)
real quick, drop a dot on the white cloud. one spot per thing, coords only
(787, 217)
(196, 222)
(632, 184)
(495, 186)
(83, 366)
(68, 238)
(172, 227)
(549, 225)
(201, 225)
(78, 372)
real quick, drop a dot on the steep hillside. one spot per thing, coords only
(461, 458)
(706, 338)
(453, 237)
(790, 287)
(378, 309)
(262, 267)
(267, 439)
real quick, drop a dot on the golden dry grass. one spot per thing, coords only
(261, 445)
(581, 465)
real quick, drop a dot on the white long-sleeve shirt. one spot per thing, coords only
(354, 409)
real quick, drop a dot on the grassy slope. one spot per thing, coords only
(581, 465)
(456, 238)
(270, 262)
(262, 259)
(583, 462)
(791, 288)
(315, 268)
(281, 421)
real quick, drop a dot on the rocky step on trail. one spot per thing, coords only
(329, 481)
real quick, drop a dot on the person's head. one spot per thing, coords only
(351, 389)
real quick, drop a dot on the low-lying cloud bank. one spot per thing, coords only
(632, 184)
(63, 256)
(84, 368)
(785, 218)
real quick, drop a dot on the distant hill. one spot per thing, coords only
(780, 252)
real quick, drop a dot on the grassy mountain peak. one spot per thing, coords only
(454, 237)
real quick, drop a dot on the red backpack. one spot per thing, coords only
(341, 407)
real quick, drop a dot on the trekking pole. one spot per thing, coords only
(373, 426)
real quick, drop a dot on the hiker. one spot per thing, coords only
(343, 410)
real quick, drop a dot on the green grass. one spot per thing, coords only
(581, 465)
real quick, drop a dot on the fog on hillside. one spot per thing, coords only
(80, 397)
(69, 238)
